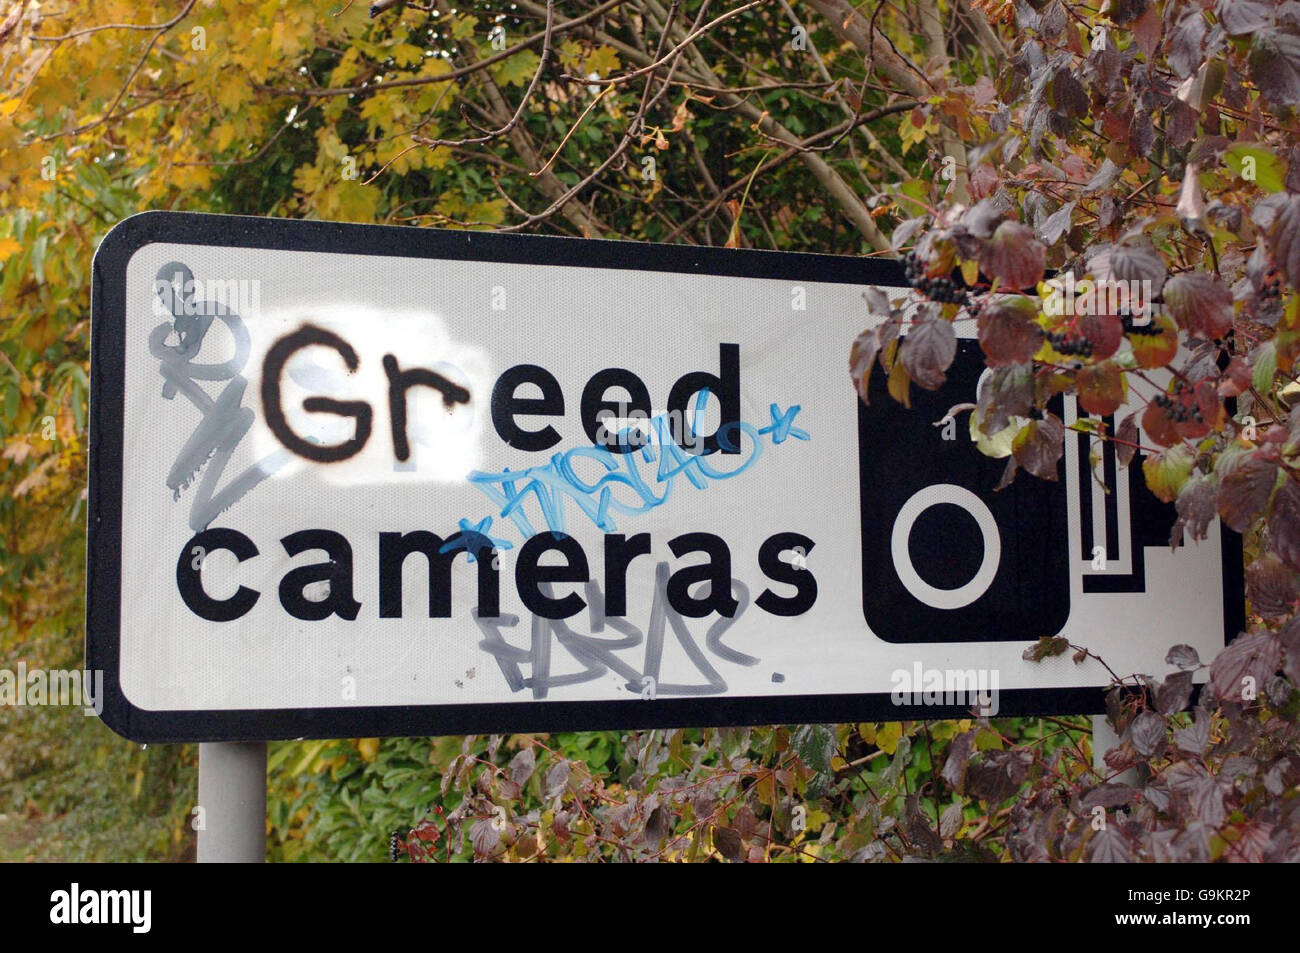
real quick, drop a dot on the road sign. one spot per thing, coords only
(356, 480)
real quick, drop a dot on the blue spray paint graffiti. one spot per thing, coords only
(558, 481)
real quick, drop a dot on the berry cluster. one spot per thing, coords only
(1178, 407)
(1149, 326)
(942, 290)
(1271, 286)
(1071, 345)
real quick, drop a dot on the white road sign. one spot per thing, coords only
(356, 480)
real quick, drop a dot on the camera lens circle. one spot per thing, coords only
(921, 501)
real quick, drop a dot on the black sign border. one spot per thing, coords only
(104, 511)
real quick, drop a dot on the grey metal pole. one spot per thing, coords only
(231, 819)
(1103, 739)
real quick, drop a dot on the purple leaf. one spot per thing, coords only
(1109, 846)
(1248, 662)
(1275, 66)
(1242, 17)
(1173, 694)
(1201, 304)
(1147, 734)
(728, 842)
(997, 775)
(1007, 332)
(928, 351)
(1245, 485)
(1185, 44)
(1014, 256)
(1195, 505)
(1127, 431)
(521, 767)
(1056, 224)
(1184, 657)
(1007, 392)
(1273, 586)
(1039, 445)
(1284, 524)
(954, 769)
(1135, 261)
(484, 836)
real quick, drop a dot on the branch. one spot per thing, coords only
(790, 153)
(850, 25)
(519, 112)
(159, 31)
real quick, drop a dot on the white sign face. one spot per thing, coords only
(352, 480)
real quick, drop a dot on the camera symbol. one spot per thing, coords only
(945, 556)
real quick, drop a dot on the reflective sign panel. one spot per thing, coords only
(356, 480)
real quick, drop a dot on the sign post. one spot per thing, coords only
(231, 813)
(353, 481)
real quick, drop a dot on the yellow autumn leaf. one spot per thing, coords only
(602, 61)
(463, 27)
(571, 55)
(7, 247)
(888, 735)
(223, 134)
(232, 95)
(407, 54)
(347, 69)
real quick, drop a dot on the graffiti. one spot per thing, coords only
(225, 420)
(600, 654)
(643, 488)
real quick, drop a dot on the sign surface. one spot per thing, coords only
(358, 480)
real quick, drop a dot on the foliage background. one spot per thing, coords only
(813, 126)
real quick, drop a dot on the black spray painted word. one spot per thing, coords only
(399, 382)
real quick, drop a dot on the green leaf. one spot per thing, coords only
(1264, 170)
(815, 746)
(517, 70)
(1166, 472)
(888, 736)
(996, 445)
(463, 27)
(1046, 647)
(1265, 369)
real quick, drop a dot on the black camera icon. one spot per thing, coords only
(945, 557)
